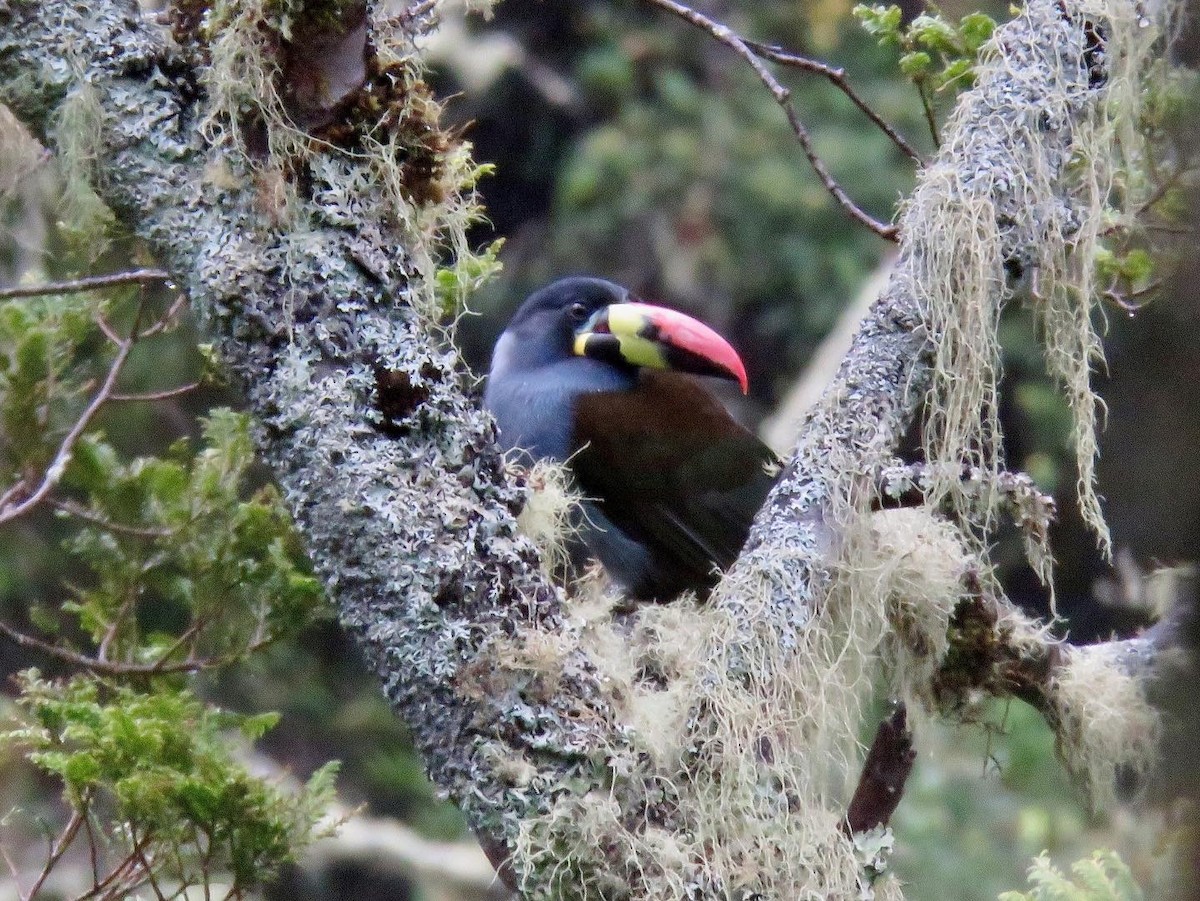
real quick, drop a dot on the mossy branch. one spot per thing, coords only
(687, 750)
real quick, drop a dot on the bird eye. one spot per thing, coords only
(578, 312)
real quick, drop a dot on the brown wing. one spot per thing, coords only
(670, 468)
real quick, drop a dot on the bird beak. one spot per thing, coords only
(644, 335)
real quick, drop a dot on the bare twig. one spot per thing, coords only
(187, 635)
(109, 332)
(1165, 184)
(782, 95)
(1166, 229)
(12, 867)
(71, 508)
(9, 508)
(60, 846)
(116, 877)
(930, 118)
(836, 76)
(116, 668)
(11, 492)
(90, 283)
(149, 396)
(1125, 299)
(164, 320)
(93, 852)
(149, 871)
(110, 634)
(54, 472)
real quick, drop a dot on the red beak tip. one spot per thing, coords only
(682, 331)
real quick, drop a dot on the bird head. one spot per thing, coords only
(590, 317)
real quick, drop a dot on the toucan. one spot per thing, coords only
(591, 376)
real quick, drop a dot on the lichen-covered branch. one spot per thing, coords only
(414, 533)
(1095, 697)
(680, 750)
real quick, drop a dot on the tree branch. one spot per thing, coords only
(160, 667)
(56, 852)
(782, 95)
(149, 396)
(885, 771)
(836, 76)
(91, 283)
(10, 507)
(54, 472)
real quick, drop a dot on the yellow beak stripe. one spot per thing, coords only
(632, 349)
(625, 323)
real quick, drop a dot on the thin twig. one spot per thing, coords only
(165, 319)
(930, 117)
(187, 635)
(13, 490)
(206, 866)
(782, 96)
(1168, 229)
(56, 852)
(149, 871)
(1123, 299)
(836, 76)
(1161, 188)
(150, 396)
(56, 469)
(115, 668)
(110, 634)
(9, 510)
(115, 875)
(90, 283)
(12, 869)
(109, 332)
(93, 853)
(71, 508)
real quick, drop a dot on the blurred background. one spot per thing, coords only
(632, 147)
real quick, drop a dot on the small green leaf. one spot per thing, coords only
(976, 29)
(453, 285)
(916, 63)
(255, 727)
(935, 33)
(959, 73)
(80, 770)
(1137, 266)
(881, 21)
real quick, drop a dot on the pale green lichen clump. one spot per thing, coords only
(1107, 726)
(731, 774)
